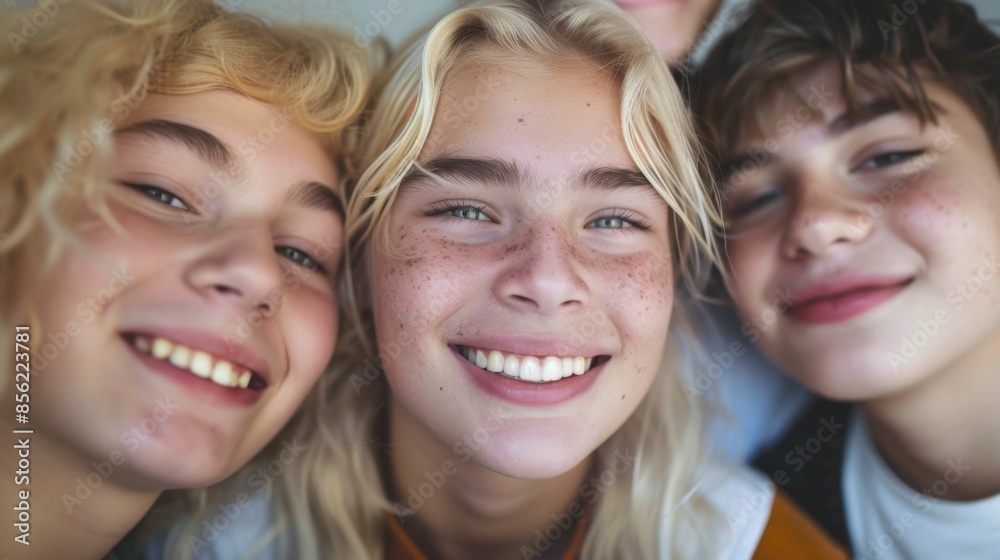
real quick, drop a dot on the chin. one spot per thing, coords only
(533, 461)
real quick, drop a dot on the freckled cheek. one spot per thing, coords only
(641, 290)
(936, 220)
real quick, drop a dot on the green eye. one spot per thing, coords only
(300, 258)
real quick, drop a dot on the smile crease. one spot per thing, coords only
(529, 368)
(200, 363)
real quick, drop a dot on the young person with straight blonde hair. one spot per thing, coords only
(532, 200)
(171, 228)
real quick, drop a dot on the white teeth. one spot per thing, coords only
(551, 369)
(531, 369)
(198, 362)
(162, 348)
(181, 357)
(527, 368)
(224, 375)
(495, 362)
(511, 366)
(201, 364)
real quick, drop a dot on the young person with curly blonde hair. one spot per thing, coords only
(172, 225)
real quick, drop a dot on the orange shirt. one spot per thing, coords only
(400, 546)
(789, 533)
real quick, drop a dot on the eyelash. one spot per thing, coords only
(907, 155)
(283, 250)
(151, 192)
(449, 206)
(625, 216)
(753, 204)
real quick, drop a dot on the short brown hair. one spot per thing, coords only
(885, 47)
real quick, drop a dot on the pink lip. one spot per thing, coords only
(530, 394)
(215, 394)
(837, 301)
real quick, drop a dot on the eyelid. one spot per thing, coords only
(445, 206)
(142, 188)
(633, 218)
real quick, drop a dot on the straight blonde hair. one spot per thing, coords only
(332, 501)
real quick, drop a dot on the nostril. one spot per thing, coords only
(265, 307)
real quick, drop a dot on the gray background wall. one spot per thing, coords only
(366, 16)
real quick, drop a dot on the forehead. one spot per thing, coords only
(258, 137)
(543, 115)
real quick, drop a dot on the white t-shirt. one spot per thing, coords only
(887, 520)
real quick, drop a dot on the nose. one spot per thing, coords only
(821, 222)
(239, 268)
(543, 273)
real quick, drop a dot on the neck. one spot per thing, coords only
(473, 512)
(944, 429)
(72, 509)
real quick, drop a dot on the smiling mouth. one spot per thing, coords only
(198, 362)
(532, 369)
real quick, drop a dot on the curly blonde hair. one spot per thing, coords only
(73, 71)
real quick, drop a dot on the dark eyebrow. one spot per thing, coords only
(204, 143)
(479, 170)
(762, 157)
(318, 196)
(613, 177)
(872, 111)
(509, 174)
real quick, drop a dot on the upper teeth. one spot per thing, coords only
(197, 362)
(526, 368)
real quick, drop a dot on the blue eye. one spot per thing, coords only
(468, 213)
(610, 223)
(299, 257)
(619, 219)
(160, 195)
(461, 209)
